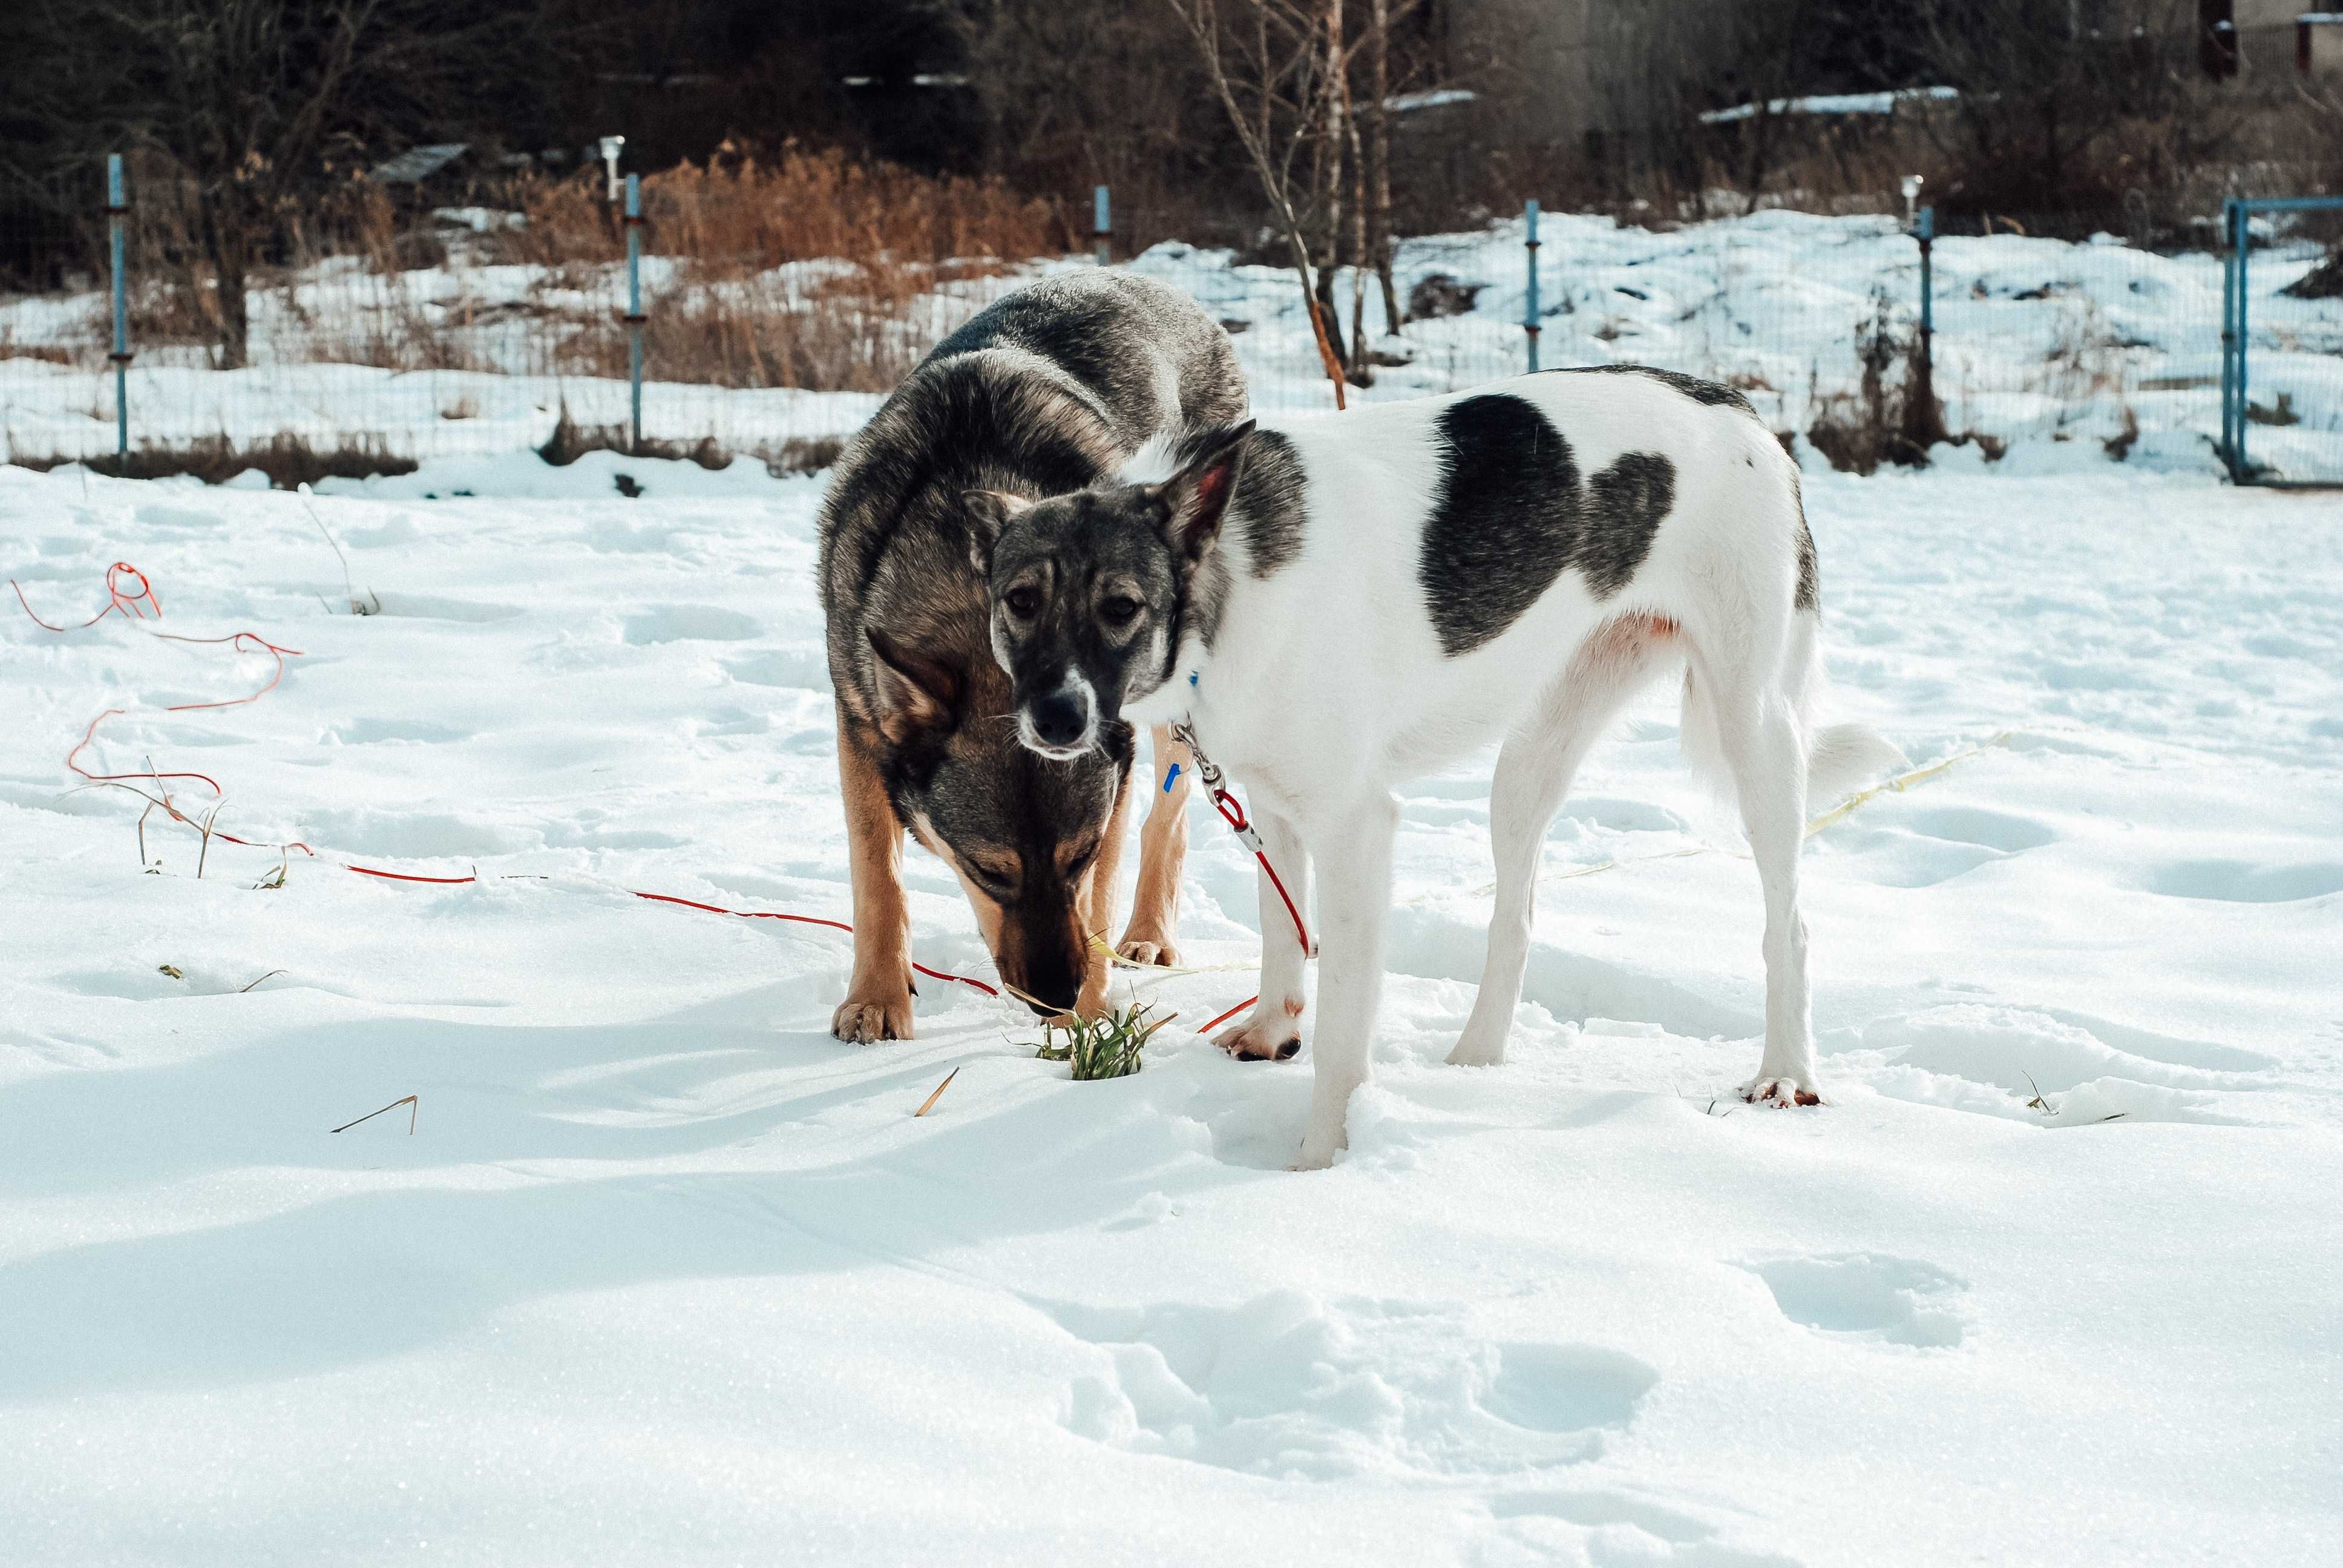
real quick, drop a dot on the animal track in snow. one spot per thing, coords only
(1285, 1385)
(2244, 882)
(806, 669)
(2019, 1049)
(1867, 1295)
(1899, 844)
(427, 606)
(1986, 830)
(1620, 816)
(689, 623)
(378, 731)
(612, 536)
(1626, 1528)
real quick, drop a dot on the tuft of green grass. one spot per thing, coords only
(1105, 1047)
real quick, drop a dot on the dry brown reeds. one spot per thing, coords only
(737, 215)
(814, 270)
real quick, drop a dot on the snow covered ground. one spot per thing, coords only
(664, 1274)
(2050, 350)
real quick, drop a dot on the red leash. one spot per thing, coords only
(1233, 812)
(141, 604)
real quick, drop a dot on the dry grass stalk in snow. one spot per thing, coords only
(1108, 1046)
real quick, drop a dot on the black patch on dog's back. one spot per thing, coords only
(1510, 516)
(1503, 521)
(1624, 504)
(1270, 505)
(1709, 394)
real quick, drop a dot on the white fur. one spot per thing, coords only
(1328, 686)
(1085, 697)
(1156, 461)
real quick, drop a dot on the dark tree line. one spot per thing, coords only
(1256, 122)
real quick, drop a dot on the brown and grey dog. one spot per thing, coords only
(1052, 390)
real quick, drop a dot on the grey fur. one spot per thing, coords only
(1270, 505)
(1809, 594)
(1510, 516)
(1060, 567)
(1047, 391)
(1625, 503)
(1709, 394)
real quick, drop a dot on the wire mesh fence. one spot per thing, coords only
(381, 329)
(2282, 365)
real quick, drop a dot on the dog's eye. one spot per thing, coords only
(1118, 611)
(1024, 603)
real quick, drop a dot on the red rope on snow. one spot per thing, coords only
(140, 605)
(127, 604)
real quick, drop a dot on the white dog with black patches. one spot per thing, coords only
(1347, 603)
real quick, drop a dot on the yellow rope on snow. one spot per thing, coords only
(1846, 808)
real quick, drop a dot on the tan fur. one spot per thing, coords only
(1096, 903)
(1163, 860)
(877, 1004)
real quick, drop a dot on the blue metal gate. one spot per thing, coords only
(2289, 348)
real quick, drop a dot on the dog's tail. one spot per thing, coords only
(1839, 757)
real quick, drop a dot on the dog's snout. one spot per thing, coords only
(1062, 717)
(1053, 989)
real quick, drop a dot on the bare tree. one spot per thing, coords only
(254, 104)
(2044, 88)
(1379, 235)
(1269, 77)
(1079, 92)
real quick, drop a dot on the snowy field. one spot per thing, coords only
(663, 1274)
(2049, 349)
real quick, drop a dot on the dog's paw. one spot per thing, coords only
(1136, 948)
(867, 1018)
(1269, 1035)
(1478, 1048)
(1782, 1091)
(1318, 1151)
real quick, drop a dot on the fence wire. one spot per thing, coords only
(387, 330)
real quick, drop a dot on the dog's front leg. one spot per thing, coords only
(1353, 854)
(1094, 907)
(1163, 856)
(877, 1004)
(1273, 1029)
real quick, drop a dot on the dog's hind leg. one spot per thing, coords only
(1533, 774)
(877, 1004)
(1163, 856)
(1273, 1028)
(1758, 731)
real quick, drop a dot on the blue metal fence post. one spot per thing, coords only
(2243, 244)
(117, 212)
(1530, 306)
(1102, 226)
(2228, 452)
(1925, 229)
(635, 310)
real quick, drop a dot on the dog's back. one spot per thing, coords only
(1045, 391)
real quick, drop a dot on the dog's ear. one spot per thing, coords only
(916, 691)
(987, 512)
(1197, 496)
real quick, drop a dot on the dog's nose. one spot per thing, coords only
(1061, 717)
(1044, 1009)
